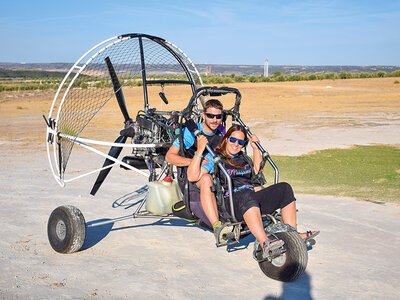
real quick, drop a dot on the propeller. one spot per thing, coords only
(114, 151)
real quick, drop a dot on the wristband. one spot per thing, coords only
(199, 156)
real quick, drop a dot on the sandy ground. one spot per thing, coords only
(356, 255)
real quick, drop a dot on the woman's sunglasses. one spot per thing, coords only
(212, 116)
(234, 140)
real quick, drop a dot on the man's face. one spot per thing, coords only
(212, 118)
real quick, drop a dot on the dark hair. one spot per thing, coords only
(221, 149)
(213, 103)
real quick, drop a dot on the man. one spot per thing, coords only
(206, 208)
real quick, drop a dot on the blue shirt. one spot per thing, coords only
(188, 141)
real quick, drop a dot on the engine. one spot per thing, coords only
(152, 129)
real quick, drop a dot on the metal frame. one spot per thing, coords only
(234, 112)
(193, 106)
(52, 124)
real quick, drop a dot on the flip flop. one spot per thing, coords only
(311, 234)
(271, 244)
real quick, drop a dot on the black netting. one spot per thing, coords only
(93, 87)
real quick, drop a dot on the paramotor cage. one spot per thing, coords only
(99, 75)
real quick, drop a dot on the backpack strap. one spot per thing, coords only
(182, 177)
(256, 179)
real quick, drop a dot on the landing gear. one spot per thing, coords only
(66, 229)
(287, 262)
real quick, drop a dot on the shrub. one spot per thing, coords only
(253, 79)
(380, 74)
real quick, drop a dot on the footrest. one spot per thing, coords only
(229, 234)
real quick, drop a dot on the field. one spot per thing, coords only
(291, 118)
(310, 129)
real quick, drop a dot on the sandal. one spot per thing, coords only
(311, 234)
(270, 245)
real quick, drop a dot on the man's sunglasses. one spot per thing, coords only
(212, 116)
(234, 140)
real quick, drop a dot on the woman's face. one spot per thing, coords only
(234, 148)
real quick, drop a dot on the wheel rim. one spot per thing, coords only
(61, 230)
(279, 261)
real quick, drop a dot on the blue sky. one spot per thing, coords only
(324, 32)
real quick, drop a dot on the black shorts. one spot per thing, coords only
(194, 200)
(268, 199)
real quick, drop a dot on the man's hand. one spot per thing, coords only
(204, 161)
(201, 144)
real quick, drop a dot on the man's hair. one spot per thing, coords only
(213, 103)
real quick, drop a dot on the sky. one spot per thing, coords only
(309, 32)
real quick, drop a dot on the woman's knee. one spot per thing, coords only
(288, 195)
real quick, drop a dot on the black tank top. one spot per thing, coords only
(213, 141)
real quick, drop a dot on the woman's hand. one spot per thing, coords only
(254, 139)
(256, 153)
(201, 144)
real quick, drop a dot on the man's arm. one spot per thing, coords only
(174, 158)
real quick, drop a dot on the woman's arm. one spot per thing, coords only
(256, 153)
(195, 171)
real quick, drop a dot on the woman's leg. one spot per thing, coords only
(289, 214)
(277, 196)
(280, 196)
(253, 220)
(247, 205)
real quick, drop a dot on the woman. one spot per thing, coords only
(250, 201)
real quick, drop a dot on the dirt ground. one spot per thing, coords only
(290, 117)
(173, 259)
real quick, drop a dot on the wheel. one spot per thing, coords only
(66, 229)
(289, 265)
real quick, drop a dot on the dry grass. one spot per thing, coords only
(311, 103)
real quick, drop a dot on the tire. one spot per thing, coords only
(289, 265)
(66, 229)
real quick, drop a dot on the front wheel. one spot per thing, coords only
(66, 229)
(291, 263)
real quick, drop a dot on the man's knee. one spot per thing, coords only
(205, 181)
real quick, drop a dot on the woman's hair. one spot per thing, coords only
(221, 149)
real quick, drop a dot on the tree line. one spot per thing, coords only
(22, 80)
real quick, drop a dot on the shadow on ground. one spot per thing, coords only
(299, 289)
(95, 234)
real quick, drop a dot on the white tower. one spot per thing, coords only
(266, 67)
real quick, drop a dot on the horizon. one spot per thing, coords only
(310, 33)
(216, 64)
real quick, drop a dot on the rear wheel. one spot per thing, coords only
(66, 229)
(289, 265)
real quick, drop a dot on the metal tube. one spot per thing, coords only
(140, 205)
(133, 216)
(150, 216)
(271, 162)
(146, 99)
(263, 151)
(225, 172)
(99, 223)
(251, 134)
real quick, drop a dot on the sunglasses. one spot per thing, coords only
(234, 140)
(212, 116)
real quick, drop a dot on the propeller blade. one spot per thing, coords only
(114, 152)
(117, 89)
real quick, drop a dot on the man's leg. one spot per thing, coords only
(207, 198)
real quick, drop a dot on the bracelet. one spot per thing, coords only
(200, 156)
